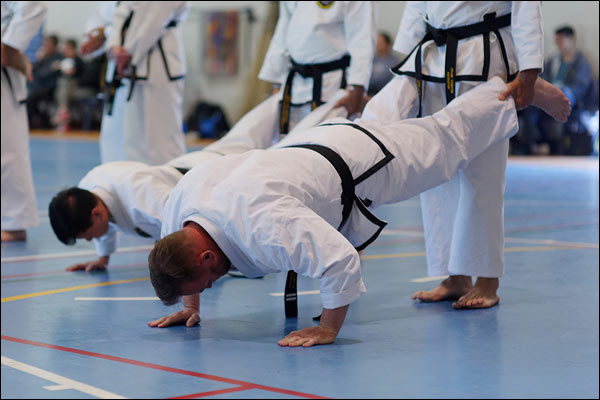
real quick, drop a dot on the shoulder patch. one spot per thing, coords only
(325, 4)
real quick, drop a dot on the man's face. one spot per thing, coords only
(565, 44)
(383, 48)
(205, 276)
(99, 226)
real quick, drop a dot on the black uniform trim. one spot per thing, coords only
(316, 72)
(349, 198)
(449, 38)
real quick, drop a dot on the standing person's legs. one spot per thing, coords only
(19, 210)
(112, 142)
(153, 119)
(439, 208)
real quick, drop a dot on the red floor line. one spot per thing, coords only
(214, 392)
(162, 368)
(32, 274)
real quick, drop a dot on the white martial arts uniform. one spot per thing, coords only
(153, 117)
(135, 193)
(20, 21)
(463, 219)
(112, 143)
(278, 209)
(318, 32)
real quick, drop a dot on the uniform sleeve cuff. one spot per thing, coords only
(336, 300)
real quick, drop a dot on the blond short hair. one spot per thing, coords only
(171, 263)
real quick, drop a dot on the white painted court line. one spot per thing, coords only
(551, 242)
(307, 292)
(116, 298)
(389, 232)
(54, 388)
(41, 257)
(429, 279)
(66, 383)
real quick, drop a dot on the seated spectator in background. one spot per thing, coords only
(69, 86)
(46, 72)
(382, 62)
(570, 71)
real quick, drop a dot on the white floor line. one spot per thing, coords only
(429, 279)
(53, 388)
(116, 298)
(39, 257)
(551, 242)
(307, 292)
(60, 380)
(386, 232)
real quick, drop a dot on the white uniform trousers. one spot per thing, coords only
(112, 135)
(463, 219)
(18, 196)
(151, 120)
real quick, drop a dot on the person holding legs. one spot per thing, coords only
(453, 47)
(306, 204)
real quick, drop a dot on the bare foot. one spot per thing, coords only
(451, 288)
(14, 236)
(551, 99)
(482, 295)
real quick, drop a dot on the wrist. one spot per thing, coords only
(529, 75)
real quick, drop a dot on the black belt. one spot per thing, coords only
(111, 88)
(182, 170)
(316, 72)
(450, 38)
(10, 86)
(348, 196)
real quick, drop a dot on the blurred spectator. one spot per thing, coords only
(74, 84)
(46, 72)
(571, 72)
(382, 62)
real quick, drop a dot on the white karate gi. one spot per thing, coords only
(20, 21)
(153, 117)
(311, 33)
(463, 219)
(135, 193)
(276, 210)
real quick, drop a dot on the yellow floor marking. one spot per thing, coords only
(69, 289)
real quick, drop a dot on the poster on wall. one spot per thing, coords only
(220, 55)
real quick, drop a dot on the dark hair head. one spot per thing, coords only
(71, 42)
(70, 213)
(386, 37)
(53, 39)
(171, 263)
(565, 30)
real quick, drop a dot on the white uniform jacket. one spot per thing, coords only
(150, 29)
(525, 51)
(20, 21)
(280, 209)
(135, 194)
(313, 32)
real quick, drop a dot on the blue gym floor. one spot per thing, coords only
(80, 335)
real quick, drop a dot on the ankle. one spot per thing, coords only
(488, 283)
(460, 280)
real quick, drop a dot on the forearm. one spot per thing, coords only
(333, 319)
